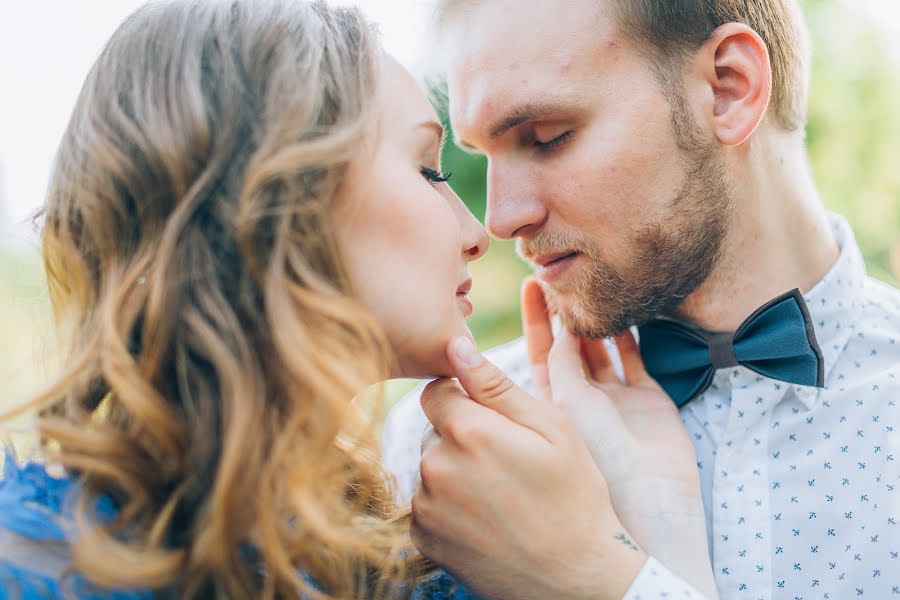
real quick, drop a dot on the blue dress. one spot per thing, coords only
(31, 506)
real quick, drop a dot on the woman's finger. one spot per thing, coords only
(585, 404)
(632, 363)
(538, 332)
(597, 363)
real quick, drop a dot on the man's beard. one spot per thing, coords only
(669, 260)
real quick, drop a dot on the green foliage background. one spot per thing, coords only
(854, 144)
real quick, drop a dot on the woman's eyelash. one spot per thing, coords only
(435, 176)
(554, 143)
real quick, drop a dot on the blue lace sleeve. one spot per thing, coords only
(442, 586)
(33, 558)
(16, 583)
(33, 505)
(20, 583)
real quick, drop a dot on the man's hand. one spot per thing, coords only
(510, 499)
(635, 435)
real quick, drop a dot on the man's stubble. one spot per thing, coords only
(668, 260)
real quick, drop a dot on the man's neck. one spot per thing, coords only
(780, 238)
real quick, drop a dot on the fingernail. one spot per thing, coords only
(466, 352)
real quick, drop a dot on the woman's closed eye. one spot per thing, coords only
(435, 176)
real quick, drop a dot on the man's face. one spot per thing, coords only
(612, 190)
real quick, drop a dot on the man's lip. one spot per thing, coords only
(543, 260)
(555, 266)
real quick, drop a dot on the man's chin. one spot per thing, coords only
(560, 300)
(582, 320)
(571, 312)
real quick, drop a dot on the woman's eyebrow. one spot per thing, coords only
(437, 128)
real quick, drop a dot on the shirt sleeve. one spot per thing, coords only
(401, 442)
(655, 582)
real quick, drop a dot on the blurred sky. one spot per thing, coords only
(48, 46)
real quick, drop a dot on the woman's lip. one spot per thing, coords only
(466, 304)
(554, 270)
(465, 287)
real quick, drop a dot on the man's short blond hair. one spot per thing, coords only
(670, 30)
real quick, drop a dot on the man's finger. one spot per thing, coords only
(538, 332)
(490, 387)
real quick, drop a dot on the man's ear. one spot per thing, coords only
(734, 65)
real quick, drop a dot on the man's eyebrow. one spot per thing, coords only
(524, 113)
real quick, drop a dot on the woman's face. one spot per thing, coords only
(407, 238)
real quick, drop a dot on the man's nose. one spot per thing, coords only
(514, 207)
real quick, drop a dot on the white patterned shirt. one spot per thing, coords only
(801, 486)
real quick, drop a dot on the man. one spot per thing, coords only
(649, 159)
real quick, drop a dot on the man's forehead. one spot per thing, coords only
(516, 24)
(494, 63)
(500, 33)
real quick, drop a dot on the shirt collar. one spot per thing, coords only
(834, 304)
(836, 301)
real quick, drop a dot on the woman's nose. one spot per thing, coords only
(475, 240)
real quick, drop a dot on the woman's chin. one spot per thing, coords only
(424, 369)
(429, 362)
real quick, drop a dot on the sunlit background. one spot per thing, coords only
(46, 49)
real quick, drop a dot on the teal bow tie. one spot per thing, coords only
(776, 341)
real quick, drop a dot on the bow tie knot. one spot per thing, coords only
(777, 341)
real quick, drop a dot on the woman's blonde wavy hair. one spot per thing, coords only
(215, 346)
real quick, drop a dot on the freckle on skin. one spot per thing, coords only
(612, 49)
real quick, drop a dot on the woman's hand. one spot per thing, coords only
(635, 435)
(510, 500)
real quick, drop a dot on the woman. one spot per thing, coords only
(246, 226)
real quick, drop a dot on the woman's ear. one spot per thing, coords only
(734, 64)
